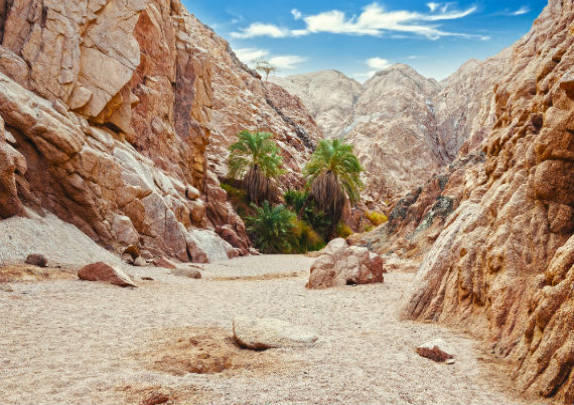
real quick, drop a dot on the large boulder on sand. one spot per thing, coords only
(103, 272)
(340, 264)
(267, 333)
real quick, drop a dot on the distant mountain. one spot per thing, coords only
(404, 126)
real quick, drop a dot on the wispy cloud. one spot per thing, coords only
(374, 20)
(287, 62)
(261, 30)
(250, 56)
(521, 11)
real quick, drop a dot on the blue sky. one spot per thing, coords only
(359, 38)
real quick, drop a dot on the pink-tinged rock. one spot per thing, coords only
(165, 263)
(103, 272)
(340, 264)
(436, 350)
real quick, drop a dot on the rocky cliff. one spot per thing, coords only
(116, 116)
(504, 261)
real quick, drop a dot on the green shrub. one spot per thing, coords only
(377, 218)
(271, 228)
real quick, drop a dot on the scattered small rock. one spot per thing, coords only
(189, 273)
(37, 260)
(450, 362)
(6, 288)
(140, 262)
(147, 279)
(101, 271)
(267, 333)
(133, 251)
(155, 398)
(436, 350)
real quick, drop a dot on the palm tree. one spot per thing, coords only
(255, 159)
(333, 175)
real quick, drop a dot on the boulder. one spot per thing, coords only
(340, 264)
(436, 350)
(103, 272)
(267, 333)
(37, 260)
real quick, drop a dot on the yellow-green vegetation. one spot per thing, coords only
(305, 238)
(344, 230)
(377, 218)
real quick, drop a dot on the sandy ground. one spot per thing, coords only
(74, 342)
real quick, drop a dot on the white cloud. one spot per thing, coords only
(433, 6)
(286, 62)
(250, 55)
(374, 20)
(261, 30)
(296, 14)
(378, 63)
(522, 10)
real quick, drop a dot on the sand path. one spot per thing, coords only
(73, 342)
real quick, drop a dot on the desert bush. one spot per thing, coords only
(377, 218)
(343, 230)
(305, 238)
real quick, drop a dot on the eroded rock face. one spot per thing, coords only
(340, 264)
(120, 111)
(504, 259)
(405, 127)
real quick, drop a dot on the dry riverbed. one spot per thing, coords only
(72, 342)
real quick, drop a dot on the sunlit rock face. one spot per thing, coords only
(504, 261)
(118, 115)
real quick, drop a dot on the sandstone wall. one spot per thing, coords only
(503, 262)
(117, 114)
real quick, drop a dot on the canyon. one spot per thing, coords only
(117, 134)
